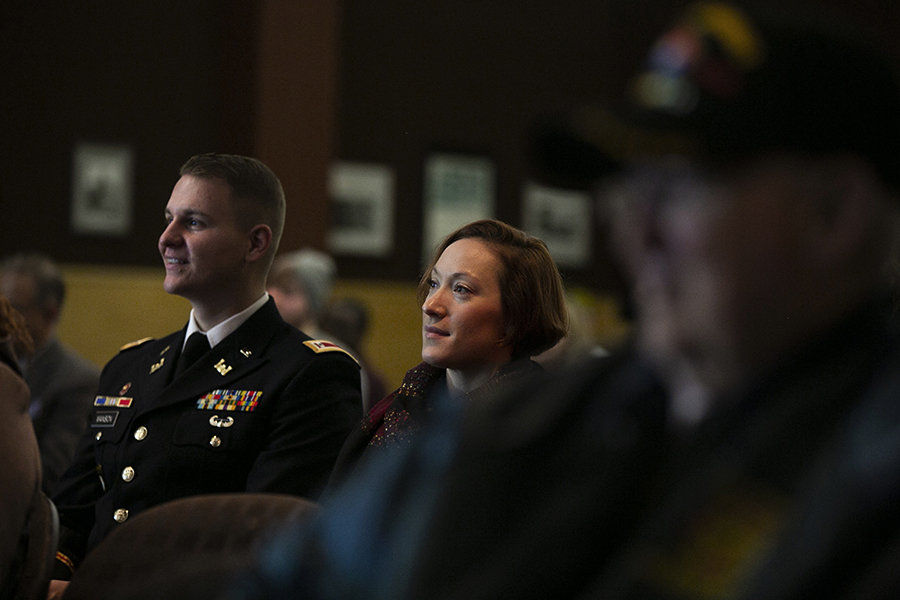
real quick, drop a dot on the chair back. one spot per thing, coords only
(29, 573)
(187, 548)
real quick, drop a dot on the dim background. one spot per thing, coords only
(299, 84)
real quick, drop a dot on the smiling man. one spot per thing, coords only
(254, 405)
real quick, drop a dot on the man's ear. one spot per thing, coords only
(260, 238)
(846, 209)
(50, 313)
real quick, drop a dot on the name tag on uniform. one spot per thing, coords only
(105, 418)
(239, 400)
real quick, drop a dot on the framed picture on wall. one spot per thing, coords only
(459, 188)
(102, 189)
(562, 218)
(362, 209)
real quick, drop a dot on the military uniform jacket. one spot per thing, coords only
(266, 410)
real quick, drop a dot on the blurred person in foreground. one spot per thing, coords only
(62, 383)
(237, 400)
(491, 299)
(748, 445)
(20, 477)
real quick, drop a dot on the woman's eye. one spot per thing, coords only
(461, 289)
(432, 283)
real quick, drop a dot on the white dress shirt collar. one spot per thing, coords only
(226, 327)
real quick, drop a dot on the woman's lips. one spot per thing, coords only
(431, 331)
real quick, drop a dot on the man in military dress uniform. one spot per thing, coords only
(259, 407)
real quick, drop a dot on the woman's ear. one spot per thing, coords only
(506, 340)
(260, 239)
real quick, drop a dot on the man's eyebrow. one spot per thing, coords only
(189, 212)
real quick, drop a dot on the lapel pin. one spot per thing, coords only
(125, 389)
(246, 352)
(222, 368)
(217, 421)
(164, 350)
(156, 367)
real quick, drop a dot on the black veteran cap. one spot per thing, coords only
(728, 83)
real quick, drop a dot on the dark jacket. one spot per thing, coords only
(62, 386)
(403, 412)
(574, 488)
(262, 412)
(788, 490)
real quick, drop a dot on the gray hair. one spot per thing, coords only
(314, 270)
(49, 285)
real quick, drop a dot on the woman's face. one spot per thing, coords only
(463, 323)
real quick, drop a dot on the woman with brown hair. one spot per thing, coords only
(491, 298)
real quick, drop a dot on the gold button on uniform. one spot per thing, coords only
(215, 441)
(98, 436)
(127, 474)
(121, 515)
(140, 433)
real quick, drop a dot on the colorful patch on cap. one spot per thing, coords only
(712, 50)
(118, 401)
(319, 346)
(238, 400)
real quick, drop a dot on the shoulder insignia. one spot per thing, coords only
(319, 346)
(135, 344)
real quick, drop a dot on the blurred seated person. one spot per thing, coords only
(301, 284)
(492, 298)
(756, 214)
(348, 320)
(20, 477)
(62, 383)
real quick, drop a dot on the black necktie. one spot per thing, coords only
(196, 346)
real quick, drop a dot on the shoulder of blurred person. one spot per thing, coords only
(398, 416)
(526, 468)
(786, 480)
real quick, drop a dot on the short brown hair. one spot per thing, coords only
(251, 182)
(531, 288)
